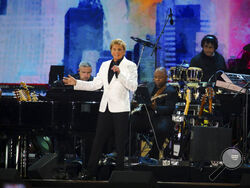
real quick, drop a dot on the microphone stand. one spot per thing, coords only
(130, 125)
(245, 120)
(155, 46)
(157, 41)
(144, 43)
(139, 61)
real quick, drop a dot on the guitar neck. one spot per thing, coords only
(210, 93)
(202, 105)
(186, 108)
(159, 96)
(188, 100)
(210, 105)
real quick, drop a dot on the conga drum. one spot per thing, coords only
(177, 73)
(194, 74)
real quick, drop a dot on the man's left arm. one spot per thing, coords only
(129, 79)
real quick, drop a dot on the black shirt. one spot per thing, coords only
(209, 65)
(111, 72)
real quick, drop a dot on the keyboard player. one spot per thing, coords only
(63, 142)
(209, 60)
(84, 73)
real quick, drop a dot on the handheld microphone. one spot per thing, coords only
(116, 74)
(171, 17)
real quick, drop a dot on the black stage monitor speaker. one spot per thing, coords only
(138, 179)
(9, 175)
(208, 143)
(44, 168)
(245, 180)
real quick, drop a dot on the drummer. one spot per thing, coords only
(209, 60)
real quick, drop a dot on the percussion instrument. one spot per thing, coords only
(194, 74)
(193, 108)
(178, 117)
(177, 73)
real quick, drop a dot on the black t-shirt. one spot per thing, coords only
(209, 65)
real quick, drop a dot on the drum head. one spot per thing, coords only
(177, 73)
(194, 74)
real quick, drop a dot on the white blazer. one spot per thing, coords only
(116, 93)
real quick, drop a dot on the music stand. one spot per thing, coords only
(142, 95)
(56, 73)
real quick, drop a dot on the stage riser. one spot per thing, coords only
(85, 184)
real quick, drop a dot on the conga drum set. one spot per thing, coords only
(186, 78)
(191, 74)
(187, 82)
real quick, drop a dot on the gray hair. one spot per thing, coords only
(84, 64)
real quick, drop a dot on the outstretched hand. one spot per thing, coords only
(69, 80)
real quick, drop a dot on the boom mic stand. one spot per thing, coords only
(139, 61)
(157, 41)
(143, 43)
(150, 45)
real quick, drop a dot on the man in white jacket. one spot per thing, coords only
(118, 77)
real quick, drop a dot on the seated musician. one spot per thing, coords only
(84, 73)
(160, 111)
(63, 141)
(209, 60)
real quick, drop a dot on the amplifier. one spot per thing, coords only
(208, 143)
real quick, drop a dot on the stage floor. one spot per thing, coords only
(164, 176)
(107, 184)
